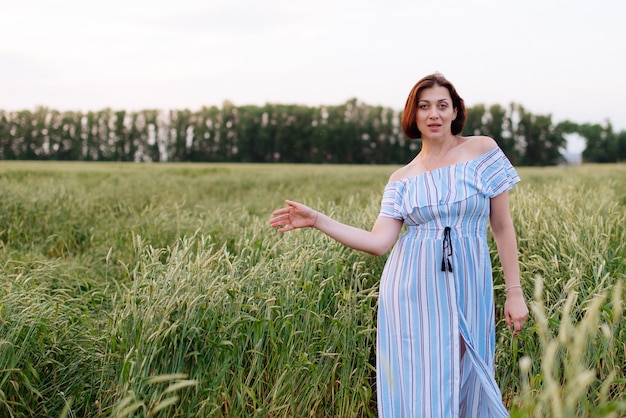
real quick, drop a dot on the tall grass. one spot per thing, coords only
(573, 251)
(160, 290)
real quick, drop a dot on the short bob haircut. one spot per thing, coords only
(409, 115)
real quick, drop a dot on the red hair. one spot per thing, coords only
(409, 115)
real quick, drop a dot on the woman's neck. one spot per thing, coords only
(438, 147)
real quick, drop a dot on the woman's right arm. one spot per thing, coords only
(376, 242)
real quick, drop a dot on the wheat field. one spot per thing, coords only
(135, 290)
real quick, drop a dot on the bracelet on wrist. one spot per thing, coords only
(515, 286)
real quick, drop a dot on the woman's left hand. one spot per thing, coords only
(515, 310)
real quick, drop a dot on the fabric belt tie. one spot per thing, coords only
(446, 264)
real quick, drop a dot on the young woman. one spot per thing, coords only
(436, 325)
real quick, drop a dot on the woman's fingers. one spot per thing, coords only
(517, 324)
(287, 209)
(515, 314)
(281, 211)
(280, 220)
(294, 215)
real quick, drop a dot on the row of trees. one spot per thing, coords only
(353, 132)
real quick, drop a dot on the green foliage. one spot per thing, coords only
(160, 290)
(349, 133)
(572, 241)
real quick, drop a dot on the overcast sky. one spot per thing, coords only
(560, 57)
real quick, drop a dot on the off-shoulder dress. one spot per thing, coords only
(436, 294)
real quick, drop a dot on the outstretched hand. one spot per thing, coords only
(295, 215)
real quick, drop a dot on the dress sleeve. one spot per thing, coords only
(391, 204)
(499, 175)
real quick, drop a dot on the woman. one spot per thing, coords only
(436, 326)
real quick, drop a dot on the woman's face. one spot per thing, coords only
(435, 112)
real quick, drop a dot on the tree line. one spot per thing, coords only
(349, 133)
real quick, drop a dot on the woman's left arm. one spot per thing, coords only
(515, 309)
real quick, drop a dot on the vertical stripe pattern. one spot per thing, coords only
(426, 314)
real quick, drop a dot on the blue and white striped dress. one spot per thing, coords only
(425, 314)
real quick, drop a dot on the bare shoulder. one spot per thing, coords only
(399, 174)
(476, 146)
